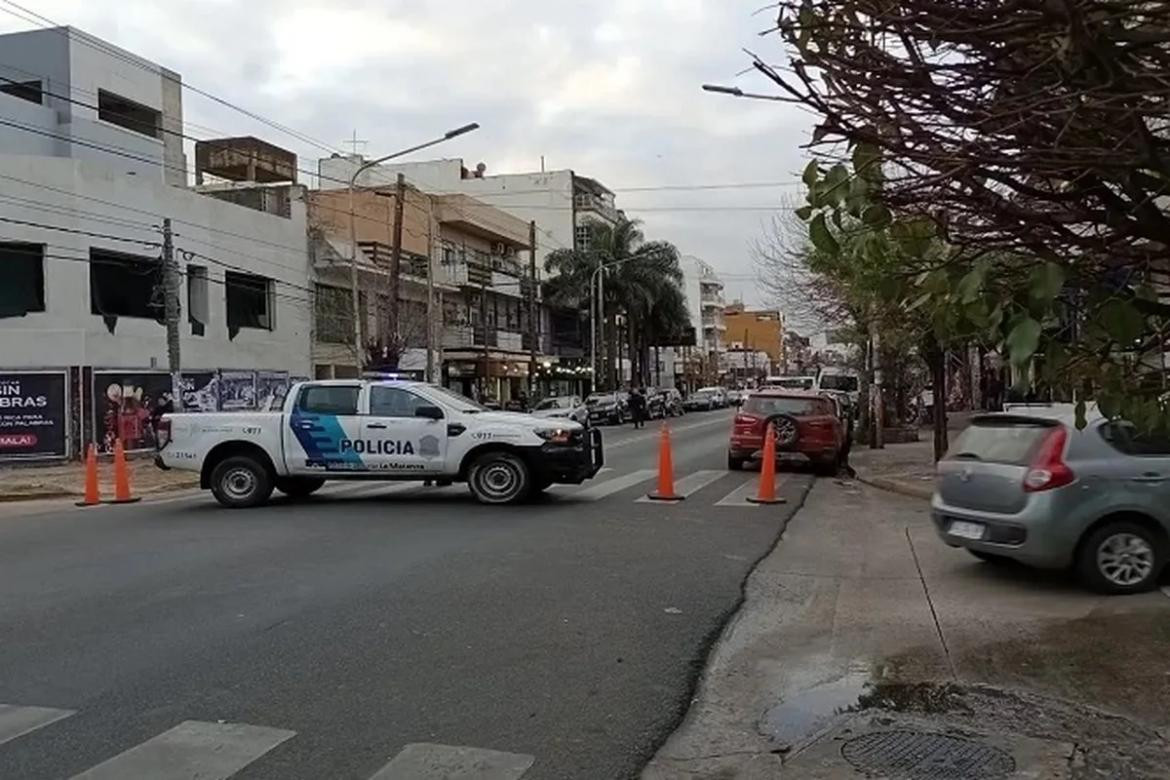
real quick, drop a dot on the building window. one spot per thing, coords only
(124, 112)
(122, 285)
(197, 299)
(25, 90)
(22, 279)
(249, 302)
(583, 238)
(334, 315)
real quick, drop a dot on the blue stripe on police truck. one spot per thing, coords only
(321, 435)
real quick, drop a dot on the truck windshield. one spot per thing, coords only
(463, 403)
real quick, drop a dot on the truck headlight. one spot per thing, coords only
(555, 435)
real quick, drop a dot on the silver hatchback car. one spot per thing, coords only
(1028, 486)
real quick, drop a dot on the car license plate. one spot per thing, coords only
(966, 530)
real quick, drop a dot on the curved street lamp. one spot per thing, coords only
(359, 351)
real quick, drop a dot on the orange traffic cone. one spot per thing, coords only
(767, 491)
(121, 476)
(93, 493)
(665, 491)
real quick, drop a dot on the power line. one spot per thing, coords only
(79, 232)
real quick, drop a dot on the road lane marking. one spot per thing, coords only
(654, 434)
(423, 761)
(17, 721)
(611, 486)
(193, 749)
(691, 484)
(362, 489)
(739, 496)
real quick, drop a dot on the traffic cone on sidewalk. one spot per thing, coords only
(121, 476)
(93, 493)
(767, 491)
(665, 491)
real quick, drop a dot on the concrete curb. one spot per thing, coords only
(49, 494)
(895, 486)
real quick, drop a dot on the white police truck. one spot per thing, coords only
(376, 430)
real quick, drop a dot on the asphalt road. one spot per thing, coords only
(566, 634)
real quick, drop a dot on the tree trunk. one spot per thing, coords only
(936, 358)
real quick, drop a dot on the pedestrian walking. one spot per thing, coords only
(638, 407)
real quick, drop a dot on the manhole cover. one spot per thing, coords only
(917, 756)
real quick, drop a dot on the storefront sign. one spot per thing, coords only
(32, 415)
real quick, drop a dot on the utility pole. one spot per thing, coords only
(430, 342)
(171, 310)
(392, 340)
(533, 330)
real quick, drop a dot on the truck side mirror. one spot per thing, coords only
(429, 412)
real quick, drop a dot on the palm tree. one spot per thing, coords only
(644, 286)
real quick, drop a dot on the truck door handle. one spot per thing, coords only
(1150, 478)
(377, 426)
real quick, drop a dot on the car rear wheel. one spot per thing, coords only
(499, 478)
(241, 482)
(1121, 557)
(299, 487)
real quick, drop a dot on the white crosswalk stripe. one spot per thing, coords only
(600, 490)
(17, 721)
(423, 761)
(739, 496)
(193, 749)
(361, 489)
(691, 484)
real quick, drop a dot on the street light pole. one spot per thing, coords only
(353, 270)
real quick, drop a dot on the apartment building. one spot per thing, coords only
(472, 258)
(91, 164)
(756, 330)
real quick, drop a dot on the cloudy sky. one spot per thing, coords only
(609, 88)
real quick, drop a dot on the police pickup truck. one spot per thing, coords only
(376, 430)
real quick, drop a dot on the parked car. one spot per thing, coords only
(655, 404)
(672, 401)
(704, 400)
(1028, 486)
(735, 397)
(611, 408)
(806, 424)
(565, 406)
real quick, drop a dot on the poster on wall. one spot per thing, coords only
(32, 415)
(271, 388)
(127, 404)
(237, 390)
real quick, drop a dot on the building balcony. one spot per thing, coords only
(592, 203)
(469, 337)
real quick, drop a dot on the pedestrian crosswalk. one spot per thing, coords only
(710, 487)
(218, 750)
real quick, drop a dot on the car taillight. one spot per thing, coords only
(746, 421)
(1048, 469)
(162, 433)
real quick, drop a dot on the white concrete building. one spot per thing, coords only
(562, 203)
(83, 194)
(66, 94)
(704, 293)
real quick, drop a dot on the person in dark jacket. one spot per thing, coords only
(638, 407)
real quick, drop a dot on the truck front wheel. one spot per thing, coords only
(499, 478)
(240, 482)
(299, 487)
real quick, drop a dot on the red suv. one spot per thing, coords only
(806, 423)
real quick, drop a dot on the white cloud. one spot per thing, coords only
(609, 88)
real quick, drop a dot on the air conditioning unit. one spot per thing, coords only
(499, 249)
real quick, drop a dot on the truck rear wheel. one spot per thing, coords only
(499, 478)
(240, 482)
(299, 487)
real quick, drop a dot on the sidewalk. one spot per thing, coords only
(907, 469)
(27, 483)
(865, 643)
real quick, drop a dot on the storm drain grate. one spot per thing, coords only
(917, 756)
